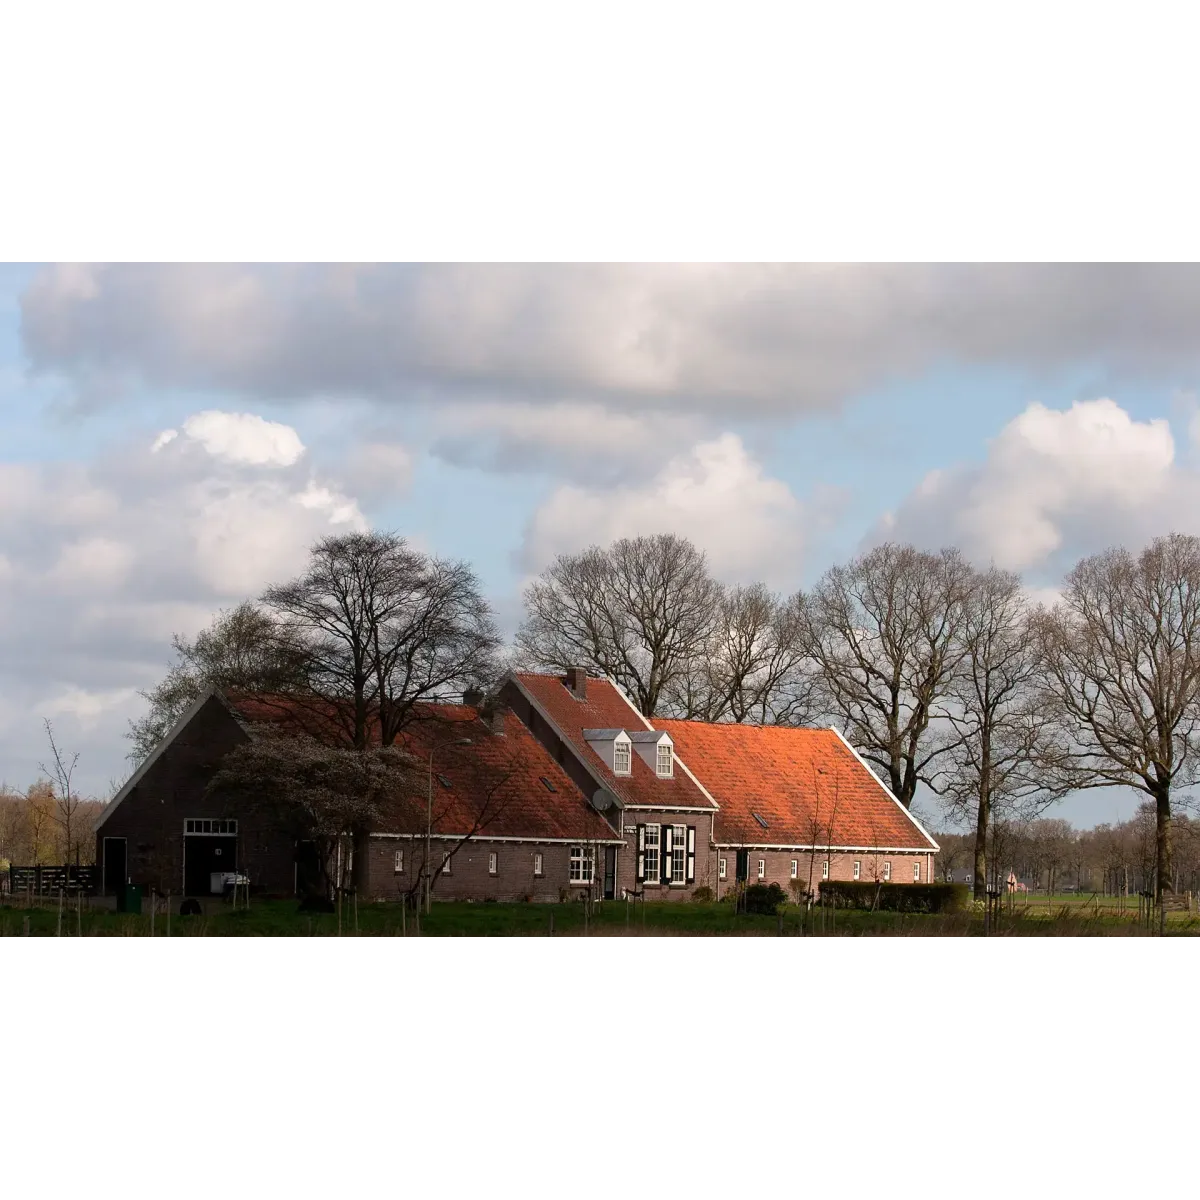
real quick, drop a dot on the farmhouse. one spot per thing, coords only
(553, 786)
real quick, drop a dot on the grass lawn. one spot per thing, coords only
(281, 918)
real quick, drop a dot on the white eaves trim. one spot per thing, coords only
(154, 754)
(821, 849)
(887, 791)
(645, 721)
(484, 837)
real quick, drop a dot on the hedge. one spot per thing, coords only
(897, 897)
(764, 898)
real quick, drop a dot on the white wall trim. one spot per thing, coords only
(483, 837)
(916, 852)
(886, 790)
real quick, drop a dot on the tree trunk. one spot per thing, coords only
(981, 829)
(1162, 843)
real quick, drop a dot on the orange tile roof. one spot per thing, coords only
(806, 785)
(606, 708)
(498, 776)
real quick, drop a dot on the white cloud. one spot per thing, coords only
(734, 340)
(716, 494)
(164, 439)
(1055, 484)
(87, 707)
(244, 438)
(94, 562)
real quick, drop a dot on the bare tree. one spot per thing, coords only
(1003, 751)
(242, 650)
(885, 633)
(1122, 651)
(383, 627)
(639, 611)
(66, 802)
(755, 666)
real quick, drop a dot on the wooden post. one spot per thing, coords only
(58, 931)
(25, 926)
(152, 907)
(168, 914)
(551, 922)
(356, 912)
(404, 917)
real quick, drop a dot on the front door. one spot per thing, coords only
(202, 855)
(113, 867)
(743, 866)
(610, 872)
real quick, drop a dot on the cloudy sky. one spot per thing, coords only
(172, 438)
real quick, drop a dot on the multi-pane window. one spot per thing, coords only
(621, 759)
(651, 867)
(825, 869)
(537, 864)
(720, 868)
(679, 854)
(399, 862)
(665, 763)
(917, 871)
(795, 868)
(857, 869)
(446, 863)
(762, 868)
(206, 825)
(492, 864)
(887, 870)
(583, 864)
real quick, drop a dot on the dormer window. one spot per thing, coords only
(665, 765)
(622, 763)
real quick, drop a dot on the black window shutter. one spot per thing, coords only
(641, 855)
(691, 854)
(664, 854)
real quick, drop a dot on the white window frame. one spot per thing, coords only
(721, 868)
(679, 855)
(492, 864)
(622, 758)
(857, 868)
(537, 866)
(762, 868)
(399, 863)
(916, 870)
(664, 748)
(795, 868)
(583, 865)
(825, 869)
(653, 847)
(445, 862)
(887, 872)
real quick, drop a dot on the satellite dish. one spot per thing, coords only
(603, 799)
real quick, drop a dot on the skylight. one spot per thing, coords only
(444, 781)
(549, 786)
(758, 817)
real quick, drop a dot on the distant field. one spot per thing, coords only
(1065, 916)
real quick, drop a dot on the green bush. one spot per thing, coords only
(765, 898)
(896, 897)
(703, 894)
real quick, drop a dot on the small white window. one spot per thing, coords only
(720, 868)
(621, 758)
(650, 864)
(399, 862)
(887, 870)
(446, 863)
(762, 868)
(857, 869)
(917, 871)
(492, 864)
(825, 869)
(795, 868)
(537, 864)
(679, 854)
(582, 864)
(665, 762)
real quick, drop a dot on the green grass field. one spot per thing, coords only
(1065, 916)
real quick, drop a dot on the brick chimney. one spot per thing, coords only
(492, 714)
(473, 697)
(577, 678)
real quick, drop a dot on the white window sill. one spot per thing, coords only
(582, 882)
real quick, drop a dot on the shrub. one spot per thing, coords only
(765, 898)
(703, 894)
(896, 897)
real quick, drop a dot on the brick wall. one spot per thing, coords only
(777, 866)
(151, 817)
